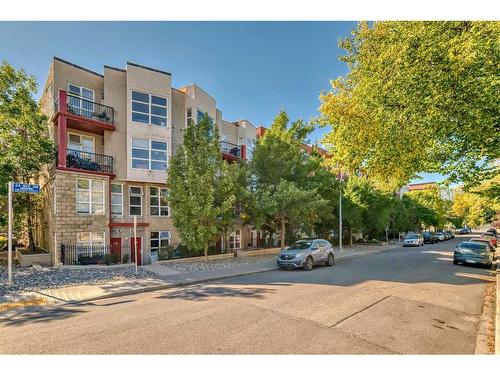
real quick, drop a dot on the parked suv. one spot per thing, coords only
(305, 254)
(430, 237)
(414, 239)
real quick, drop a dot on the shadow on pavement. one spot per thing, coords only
(41, 314)
(201, 292)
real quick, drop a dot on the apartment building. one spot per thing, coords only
(115, 133)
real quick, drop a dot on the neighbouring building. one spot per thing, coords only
(445, 192)
(115, 133)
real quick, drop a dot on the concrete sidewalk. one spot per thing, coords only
(168, 279)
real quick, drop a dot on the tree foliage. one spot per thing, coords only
(419, 96)
(24, 140)
(201, 194)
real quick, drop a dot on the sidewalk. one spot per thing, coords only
(167, 278)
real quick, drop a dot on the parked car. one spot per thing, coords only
(463, 231)
(487, 241)
(493, 230)
(473, 253)
(430, 237)
(490, 236)
(414, 239)
(440, 236)
(451, 233)
(305, 254)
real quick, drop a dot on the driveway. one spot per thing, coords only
(410, 300)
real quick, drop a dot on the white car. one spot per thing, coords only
(413, 239)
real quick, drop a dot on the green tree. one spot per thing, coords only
(419, 96)
(281, 179)
(195, 177)
(24, 140)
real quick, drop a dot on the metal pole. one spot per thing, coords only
(340, 213)
(135, 242)
(9, 242)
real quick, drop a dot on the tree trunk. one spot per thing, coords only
(206, 253)
(282, 234)
(31, 241)
(351, 238)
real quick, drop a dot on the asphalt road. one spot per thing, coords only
(409, 300)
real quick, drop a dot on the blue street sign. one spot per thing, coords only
(18, 187)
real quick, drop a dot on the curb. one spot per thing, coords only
(200, 281)
(194, 282)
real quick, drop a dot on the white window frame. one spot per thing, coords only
(150, 104)
(80, 96)
(150, 150)
(80, 143)
(135, 195)
(159, 205)
(90, 201)
(121, 199)
(189, 115)
(90, 243)
(236, 239)
(167, 237)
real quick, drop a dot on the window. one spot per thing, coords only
(80, 100)
(135, 201)
(159, 240)
(189, 115)
(116, 200)
(90, 239)
(158, 201)
(89, 196)
(201, 114)
(149, 109)
(80, 142)
(235, 240)
(250, 145)
(148, 154)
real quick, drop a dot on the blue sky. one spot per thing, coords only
(252, 68)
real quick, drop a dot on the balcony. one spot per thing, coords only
(84, 114)
(88, 161)
(230, 151)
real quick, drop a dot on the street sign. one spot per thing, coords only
(18, 187)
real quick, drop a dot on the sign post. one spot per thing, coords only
(9, 235)
(135, 242)
(16, 187)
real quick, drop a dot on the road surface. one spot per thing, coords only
(409, 300)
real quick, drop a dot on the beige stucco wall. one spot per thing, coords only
(152, 82)
(178, 118)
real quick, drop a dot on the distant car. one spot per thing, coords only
(486, 241)
(493, 230)
(440, 236)
(306, 253)
(473, 253)
(430, 237)
(450, 233)
(490, 236)
(413, 239)
(463, 231)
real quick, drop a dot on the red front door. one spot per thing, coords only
(116, 247)
(136, 241)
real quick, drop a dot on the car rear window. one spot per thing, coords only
(475, 246)
(411, 237)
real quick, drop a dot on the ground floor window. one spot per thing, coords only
(90, 242)
(235, 240)
(159, 243)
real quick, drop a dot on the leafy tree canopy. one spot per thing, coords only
(419, 96)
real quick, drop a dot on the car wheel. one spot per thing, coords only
(308, 264)
(330, 260)
(454, 261)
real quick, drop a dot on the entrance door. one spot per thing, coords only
(116, 247)
(136, 241)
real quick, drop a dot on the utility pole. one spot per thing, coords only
(340, 212)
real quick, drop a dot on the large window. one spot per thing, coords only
(158, 201)
(149, 109)
(116, 200)
(80, 142)
(158, 243)
(80, 100)
(90, 239)
(235, 240)
(201, 114)
(135, 201)
(89, 196)
(148, 154)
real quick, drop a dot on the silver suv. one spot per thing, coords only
(306, 253)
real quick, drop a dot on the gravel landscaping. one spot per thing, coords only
(37, 278)
(220, 264)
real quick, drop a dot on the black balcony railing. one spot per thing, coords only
(89, 161)
(89, 109)
(81, 254)
(230, 149)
